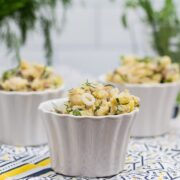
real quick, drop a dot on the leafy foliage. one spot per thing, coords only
(164, 24)
(19, 17)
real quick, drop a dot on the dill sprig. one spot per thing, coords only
(89, 84)
(76, 112)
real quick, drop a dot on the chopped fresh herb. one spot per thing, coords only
(8, 74)
(45, 74)
(168, 80)
(145, 59)
(76, 112)
(1, 88)
(124, 77)
(98, 107)
(109, 85)
(68, 109)
(117, 100)
(87, 83)
(109, 109)
(118, 110)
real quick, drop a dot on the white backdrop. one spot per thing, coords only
(92, 40)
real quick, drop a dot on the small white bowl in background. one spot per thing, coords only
(20, 122)
(157, 102)
(89, 146)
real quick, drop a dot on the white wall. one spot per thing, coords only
(92, 40)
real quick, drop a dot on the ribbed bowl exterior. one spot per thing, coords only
(20, 122)
(157, 102)
(87, 146)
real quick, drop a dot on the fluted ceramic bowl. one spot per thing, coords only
(157, 104)
(88, 146)
(20, 122)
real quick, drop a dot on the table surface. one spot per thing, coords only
(148, 158)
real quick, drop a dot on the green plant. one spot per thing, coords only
(19, 17)
(164, 24)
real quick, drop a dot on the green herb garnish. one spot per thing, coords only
(117, 100)
(87, 83)
(45, 74)
(109, 85)
(145, 59)
(118, 110)
(68, 109)
(124, 78)
(98, 107)
(76, 112)
(8, 74)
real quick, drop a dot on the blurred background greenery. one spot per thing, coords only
(19, 17)
(163, 22)
(164, 25)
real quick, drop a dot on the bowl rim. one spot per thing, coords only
(24, 93)
(42, 109)
(144, 85)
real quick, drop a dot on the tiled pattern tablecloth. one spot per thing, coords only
(148, 158)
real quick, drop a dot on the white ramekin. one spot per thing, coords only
(157, 103)
(20, 122)
(86, 146)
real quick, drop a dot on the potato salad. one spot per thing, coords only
(93, 99)
(29, 77)
(136, 70)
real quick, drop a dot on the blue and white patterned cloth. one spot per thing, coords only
(148, 158)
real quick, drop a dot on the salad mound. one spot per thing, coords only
(93, 99)
(136, 70)
(29, 77)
